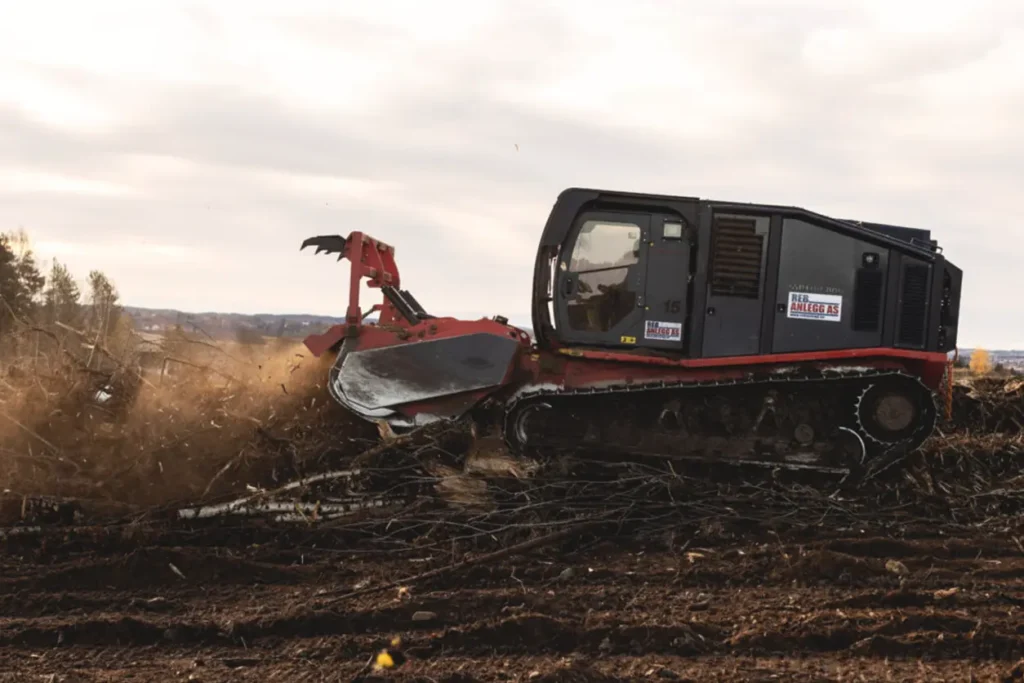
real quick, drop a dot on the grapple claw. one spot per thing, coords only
(329, 244)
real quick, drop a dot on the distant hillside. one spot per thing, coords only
(1008, 358)
(237, 326)
(230, 325)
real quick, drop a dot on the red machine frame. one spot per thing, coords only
(569, 366)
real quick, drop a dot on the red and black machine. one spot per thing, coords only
(676, 327)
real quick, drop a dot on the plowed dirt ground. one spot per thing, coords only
(938, 604)
(921, 579)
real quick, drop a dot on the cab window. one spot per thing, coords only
(601, 257)
(604, 244)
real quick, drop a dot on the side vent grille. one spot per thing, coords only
(867, 300)
(736, 258)
(914, 306)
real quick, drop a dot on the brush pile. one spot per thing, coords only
(146, 426)
(988, 405)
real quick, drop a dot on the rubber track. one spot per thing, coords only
(842, 378)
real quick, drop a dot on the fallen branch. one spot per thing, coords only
(31, 433)
(260, 498)
(320, 510)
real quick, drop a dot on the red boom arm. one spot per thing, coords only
(369, 258)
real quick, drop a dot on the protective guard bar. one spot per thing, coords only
(375, 261)
(406, 305)
(371, 259)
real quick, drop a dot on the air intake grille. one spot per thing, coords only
(914, 307)
(867, 300)
(736, 258)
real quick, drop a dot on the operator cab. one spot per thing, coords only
(692, 278)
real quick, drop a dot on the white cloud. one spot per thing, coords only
(187, 150)
(109, 255)
(27, 181)
(49, 102)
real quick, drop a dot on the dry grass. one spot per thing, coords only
(138, 423)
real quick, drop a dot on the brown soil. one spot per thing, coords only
(916, 603)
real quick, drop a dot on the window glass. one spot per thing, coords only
(605, 244)
(601, 300)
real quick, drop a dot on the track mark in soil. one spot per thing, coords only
(538, 633)
(28, 604)
(893, 599)
(972, 646)
(150, 567)
(119, 632)
(939, 548)
(933, 635)
(833, 567)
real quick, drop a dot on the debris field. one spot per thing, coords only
(220, 545)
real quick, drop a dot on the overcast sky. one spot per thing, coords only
(187, 148)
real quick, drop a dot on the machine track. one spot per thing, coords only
(844, 421)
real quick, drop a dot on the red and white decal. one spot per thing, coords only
(811, 306)
(663, 331)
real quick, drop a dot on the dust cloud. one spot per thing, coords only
(187, 419)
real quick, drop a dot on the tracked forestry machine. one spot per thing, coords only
(673, 327)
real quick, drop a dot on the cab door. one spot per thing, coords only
(668, 284)
(601, 278)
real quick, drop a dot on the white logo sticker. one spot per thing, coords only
(811, 306)
(663, 331)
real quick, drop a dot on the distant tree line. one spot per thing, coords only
(256, 332)
(55, 309)
(53, 301)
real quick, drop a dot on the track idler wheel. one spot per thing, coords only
(896, 412)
